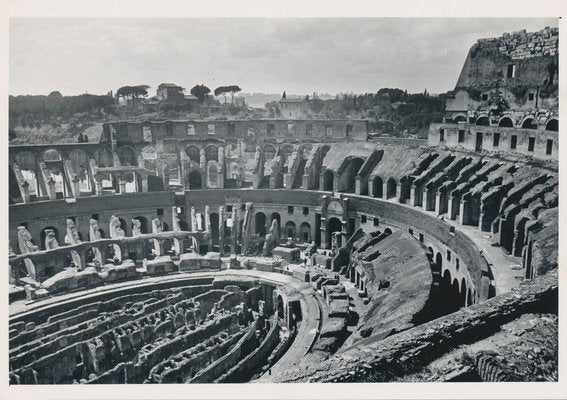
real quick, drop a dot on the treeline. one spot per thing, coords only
(54, 108)
(391, 111)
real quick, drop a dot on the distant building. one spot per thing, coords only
(293, 108)
(170, 92)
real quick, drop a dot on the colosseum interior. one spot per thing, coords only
(193, 251)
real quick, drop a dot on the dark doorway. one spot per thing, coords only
(478, 146)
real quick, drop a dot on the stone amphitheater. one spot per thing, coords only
(292, 250)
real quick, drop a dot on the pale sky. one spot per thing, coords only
(270, 55)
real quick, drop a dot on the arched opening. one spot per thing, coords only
(143, 224)
(194, 180)
(280, 308)
(290, 229)
(183, 226)
(49, 238)
(391, 188)
(552, 125)
(213, 176)
(269, 152)
(123, 225)
(103, 157)
(214, 217)
(54, 164)
(529, 124)
(212, 153)
(328, 181)
(80, 163)
(463, 292)
(26, 161)
(276, 216)
(305, 232)
(460, 118)
(127, 156)
(439, 262)
(469, 298)
(482, 121)
(377, 187)
(506, 122)
(260, 223)
(387, 231)
(285, 152)
(353, 167)
(51, 155)
(193, 153)
(334, 225)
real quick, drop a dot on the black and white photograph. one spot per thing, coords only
(281, 200)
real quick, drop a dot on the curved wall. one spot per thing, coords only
(437, 234)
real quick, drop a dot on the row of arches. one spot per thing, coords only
(289, 229)
(378, 188)
(507, 122)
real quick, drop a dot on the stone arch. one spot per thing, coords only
(528, 123)
(285, 152)
(127, 156)
(268, 152)
(43, 235)
(143, 223)
(377, 187)
(463, 292)
(305, 232)
(280, 307)
(439, 261)
(506, 122)
(194, 153)
(328, 180)
(80, 162)
(276, 216)
(213, 175)
(333, 225)
(483, 121)
(552, 125)
(354, 165)
(391, 188)
(26, 161)
(460, 118)
(51, 155)
(214, 218)
(260, 223)
(103, 157)
(387, 231)
(290, 230)
(212, 153)
(194, 180)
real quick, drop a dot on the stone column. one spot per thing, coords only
(324, 233)
(305, 182)
(51, 189)
(222, 217)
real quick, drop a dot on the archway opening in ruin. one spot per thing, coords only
(184, 226)
(290, 229)
(280, 307)
(552, 125)
(211, 153)
(143, 223)
(260, 223)
(529, 124)
(44, 233)
(269, 152)
(439, 261)
(194, 180)
(460, 118)
(214, 218)
(333, 225)
(28, 167)
(193, 153)
(387, 231)
(377, 187)
(354, 166)
(391, 188)
(328, 181)
(285, 152)
(506, 122)
(482, 121)
(213, 176)
(469, 298)
(463, 292)
(127, 156)
(305, 232)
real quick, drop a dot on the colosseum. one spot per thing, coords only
(298, 250)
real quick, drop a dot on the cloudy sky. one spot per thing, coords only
(300, 55)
